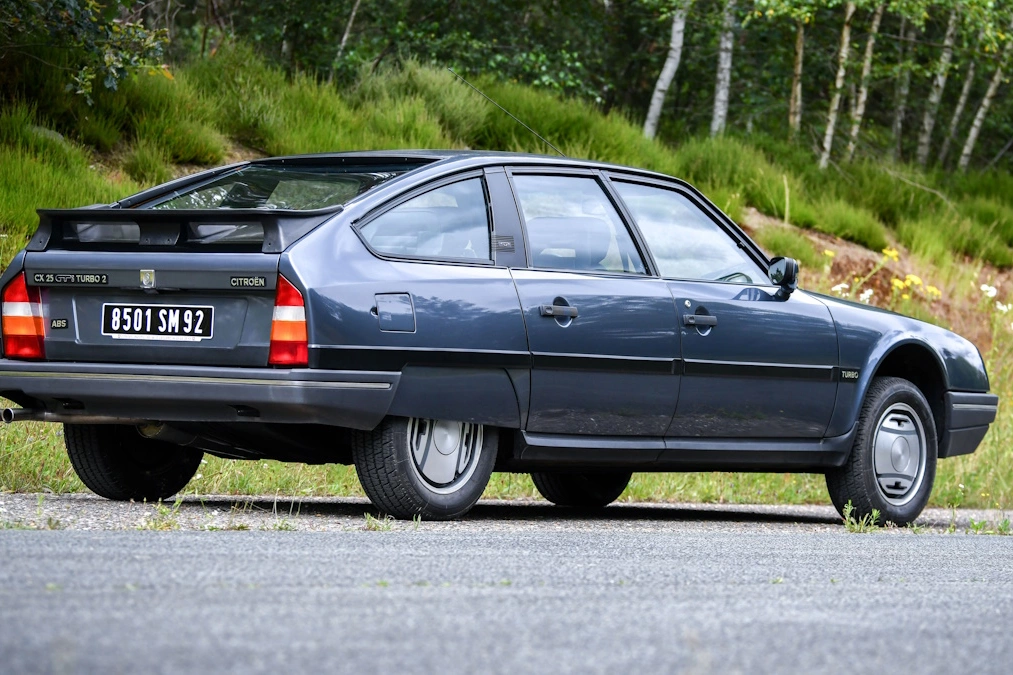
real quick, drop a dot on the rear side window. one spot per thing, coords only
(685, 242)
(572, 225)
(302, 188)
(450, 222)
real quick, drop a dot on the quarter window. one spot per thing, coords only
(686, 242)
(572, 225)
(450, 222)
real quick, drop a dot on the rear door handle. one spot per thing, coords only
(558, 311)
(699, 320)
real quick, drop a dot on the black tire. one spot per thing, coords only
(582, 490)
(397, 486)
(116, 462)
(890, 400)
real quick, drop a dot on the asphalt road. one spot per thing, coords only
(516, 588)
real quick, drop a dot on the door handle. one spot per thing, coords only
(699, 320)
(558, 311)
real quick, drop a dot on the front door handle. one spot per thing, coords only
(558, 311)
(699, 320)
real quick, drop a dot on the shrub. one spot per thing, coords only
(841, 219)
(147, 164)
(785, 241)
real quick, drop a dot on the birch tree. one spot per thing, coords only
(801, 12)
(724, 77)
(986, 103)
(958, 112)
(903, 86)
(842, 70)
(936, 92)
(668, 70)
(863, 87)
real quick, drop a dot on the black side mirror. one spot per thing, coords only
(783, 272)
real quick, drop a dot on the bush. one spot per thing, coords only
(843, 220)
(785, 241)
(147, 164)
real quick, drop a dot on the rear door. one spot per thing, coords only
(755, 365)
(601, 330)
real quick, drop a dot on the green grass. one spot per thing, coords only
(147, 164)
(853, 223)
(783, 241)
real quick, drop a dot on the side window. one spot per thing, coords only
(449, 222)
(686, 242)
(572, 225)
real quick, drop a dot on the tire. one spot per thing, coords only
(896, 418)
(582, 490)
(395, 466)
(116, 462)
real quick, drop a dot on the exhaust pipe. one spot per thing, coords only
(11, 415)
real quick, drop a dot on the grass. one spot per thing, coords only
(867, 523)
(783, 241)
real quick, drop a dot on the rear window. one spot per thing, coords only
(298, 188)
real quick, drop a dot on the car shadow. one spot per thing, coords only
(506, 511)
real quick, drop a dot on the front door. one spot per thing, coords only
(755, 365)
(602, 333)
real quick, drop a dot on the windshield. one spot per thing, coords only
(300, 188)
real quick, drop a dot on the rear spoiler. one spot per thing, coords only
(161, 229)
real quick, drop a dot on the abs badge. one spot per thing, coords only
(147, 278)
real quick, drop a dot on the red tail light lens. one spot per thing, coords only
(24, 331)
(289, 344)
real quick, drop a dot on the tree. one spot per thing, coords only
(936, 92)
(863, 89)
(724, 77)
(835, 99)
(96, 44)
(668, 70)
(958, 112)
(986, 103)
(908, 33)
(802, 13)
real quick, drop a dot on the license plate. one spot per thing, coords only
(184, 323)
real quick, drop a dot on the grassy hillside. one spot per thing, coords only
(944, 235)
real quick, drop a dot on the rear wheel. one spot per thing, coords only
(893, 461)
(116, 462)
(435, 469)
(582, 490)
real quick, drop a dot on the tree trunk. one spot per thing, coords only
(724, 78)
(957, 113)
(842, 70)
(795, 102)
(344, 40)
(903, 88)
(979, 118)
(863, 88)
(936, 93)
(667, 71)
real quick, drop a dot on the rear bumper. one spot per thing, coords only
(966, 422)
(354, 399)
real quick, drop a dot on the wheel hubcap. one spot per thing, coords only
(444, 454)
(899, 454)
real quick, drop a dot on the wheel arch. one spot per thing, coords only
(919, 364)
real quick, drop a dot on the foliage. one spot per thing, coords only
(101, 46)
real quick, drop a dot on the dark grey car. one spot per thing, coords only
(435, 316)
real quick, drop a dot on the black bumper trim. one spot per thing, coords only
(967, 416)
(201, 394)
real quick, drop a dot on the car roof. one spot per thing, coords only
(451, 157)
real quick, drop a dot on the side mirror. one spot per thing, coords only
(783, 272)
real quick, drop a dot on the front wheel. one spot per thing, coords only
(116, 462)
(893, 461)
(435, 469)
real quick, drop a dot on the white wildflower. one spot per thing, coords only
(841, 289)
(866, 295)
(1001, 307)
(989, 291)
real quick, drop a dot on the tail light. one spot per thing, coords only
(23, 328)
(289, 346)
